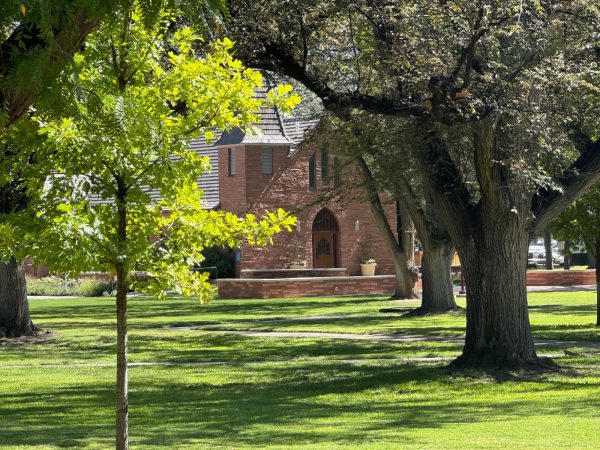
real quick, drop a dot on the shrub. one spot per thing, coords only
(221, 259)
(93, 288)
(56, 286)
(48, 286)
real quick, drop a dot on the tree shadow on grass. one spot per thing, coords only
(223, 347)
(264, 405)
(564, 309)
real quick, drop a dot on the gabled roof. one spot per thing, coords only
(270, 129)
(297, 128)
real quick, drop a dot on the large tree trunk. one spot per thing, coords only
(498, 334)
(438, 289)
(592, 261)
(14, 308)
(548, 249)
(491, 234)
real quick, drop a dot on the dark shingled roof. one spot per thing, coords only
(209, 182)
(272, 130)
(269, 128)
(296, 128)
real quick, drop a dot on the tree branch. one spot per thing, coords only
(67, 41)
(580, 176)
(277, 57)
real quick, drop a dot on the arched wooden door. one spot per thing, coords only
(325, 240)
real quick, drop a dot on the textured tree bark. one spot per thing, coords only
(498, 334)
(122, 400)
(14, 309)
(438, 289)
(597, 283)
(401, 249)
(122, 428)
(404, 257)
(567, 255)
(548, 249)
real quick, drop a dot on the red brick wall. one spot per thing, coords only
(304, 287)
(291, 273)
(36, 270)
(561, 277)
(287, 188)
(232, 188)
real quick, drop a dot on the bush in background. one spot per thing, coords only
(57, 286)
(221, 259)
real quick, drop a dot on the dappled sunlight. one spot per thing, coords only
(227, 390)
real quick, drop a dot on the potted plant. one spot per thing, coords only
(301, 264)
(367, 267)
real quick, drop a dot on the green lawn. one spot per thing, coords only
(231, 391)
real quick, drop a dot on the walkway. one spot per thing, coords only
(551, 343)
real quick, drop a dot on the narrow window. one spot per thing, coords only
(324, 162)
(312, 172)
(266, 157)
(231, 161)
(337, 172)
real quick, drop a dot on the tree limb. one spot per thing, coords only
(580, 176)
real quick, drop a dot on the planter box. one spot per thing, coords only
(368, 270)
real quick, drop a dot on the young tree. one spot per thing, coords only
(494, 98)
(580, 222)
(37, 40)
(142, 91)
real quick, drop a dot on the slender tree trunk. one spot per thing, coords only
(498, 334)
(122, 400)
(402, 250)
(597, 283)
(567, 255)
(14, 308)
(592, 261)
(438, 289)
(548, 249)
(122, 428)
(438, 295)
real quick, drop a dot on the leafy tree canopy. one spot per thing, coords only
(139, 93)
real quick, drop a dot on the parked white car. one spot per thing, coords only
(536, 256)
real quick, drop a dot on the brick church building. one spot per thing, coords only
(279, 167)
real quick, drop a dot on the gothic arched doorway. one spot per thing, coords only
(325, 240)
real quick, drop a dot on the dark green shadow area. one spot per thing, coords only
(266, 392)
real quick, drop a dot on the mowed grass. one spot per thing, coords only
(229, 391)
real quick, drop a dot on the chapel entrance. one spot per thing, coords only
(325, 240)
